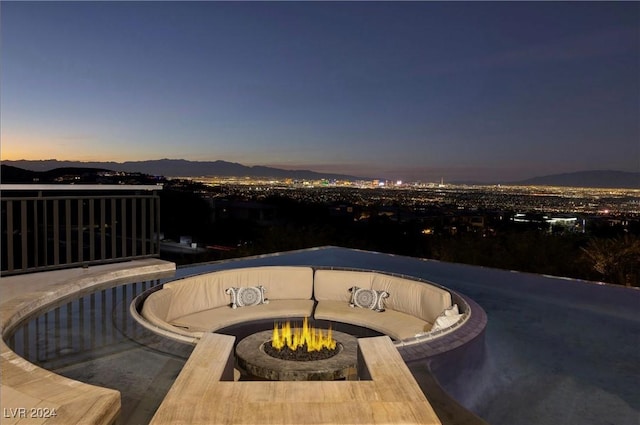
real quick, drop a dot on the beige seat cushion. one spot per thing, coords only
(393, 323)
(217, 318)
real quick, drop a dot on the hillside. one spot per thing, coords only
(595, 178)
(184, 168)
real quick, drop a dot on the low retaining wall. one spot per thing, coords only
(31, 394)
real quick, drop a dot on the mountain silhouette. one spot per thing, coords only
(184, 168)
(594, 178)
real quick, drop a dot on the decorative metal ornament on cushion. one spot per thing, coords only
(247, 296)
(368, 298)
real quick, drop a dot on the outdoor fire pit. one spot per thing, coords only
(303, 353)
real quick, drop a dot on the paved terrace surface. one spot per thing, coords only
(558, 351)
(30, 394)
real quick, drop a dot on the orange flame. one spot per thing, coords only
(284, 335)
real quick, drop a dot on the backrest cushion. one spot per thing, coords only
(418, 299)
(206, 291)
(280, 282)
(156, 306)
(335, 285)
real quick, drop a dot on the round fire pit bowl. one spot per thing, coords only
(252, 358)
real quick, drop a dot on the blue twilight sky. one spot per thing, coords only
(490, 91)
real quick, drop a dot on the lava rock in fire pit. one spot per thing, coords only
(252, 357)
(300, 354)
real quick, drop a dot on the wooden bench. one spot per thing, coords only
(205, 393)
(34, 395)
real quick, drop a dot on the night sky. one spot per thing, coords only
(485, 91)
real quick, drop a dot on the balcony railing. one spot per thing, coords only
(47, 227)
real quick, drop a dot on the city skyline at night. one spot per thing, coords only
(410, 90)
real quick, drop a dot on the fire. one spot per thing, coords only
(284, 335)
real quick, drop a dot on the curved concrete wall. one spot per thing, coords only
(28, 392)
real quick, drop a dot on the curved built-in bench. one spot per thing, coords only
(199, 304)
(410, 309)
(31, 394)
(189, 307)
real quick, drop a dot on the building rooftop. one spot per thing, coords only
(555, 350)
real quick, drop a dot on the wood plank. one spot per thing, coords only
(387, 368)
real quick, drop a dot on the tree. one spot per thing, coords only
(616, 259)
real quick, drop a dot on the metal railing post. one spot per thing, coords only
(41, 224)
